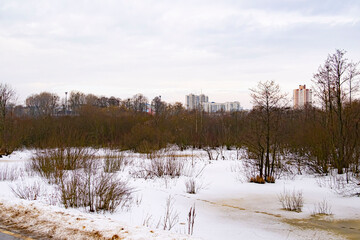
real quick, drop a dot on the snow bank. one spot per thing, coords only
(58, 223)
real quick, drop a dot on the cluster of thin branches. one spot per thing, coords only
(322, 208)
(115, 161)
(28, 191)
(191, 220)
(94, 190)
(171, 216)
(161, 163)
(291, 201)
(80, 180)
(9, 173)
(51, 163)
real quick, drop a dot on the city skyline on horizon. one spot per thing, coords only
(121, 48)
(66, 95)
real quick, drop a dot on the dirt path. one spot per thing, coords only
(350, 229)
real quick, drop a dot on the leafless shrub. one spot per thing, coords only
(191, 220)
(138, 200)
(257, 179)
(9, 173)
(50, 163)
(171, 216)
(322, 208)
(291, 201)
(99, 192)
(28, 191)
(214, 153)
(147, 222)
(162, 163)
(71, 189)
(52, 198)
(339, 184)
(270, 179)
(110, 193)
(193, 168)
(250, 168)
(114, 162)
(192, 186)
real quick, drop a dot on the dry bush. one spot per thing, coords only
(270, 179)
(171, 216)
(322, 208)
(193, 168)
(28, 191)
(191, 220)
(114, 162)
(110, 193)
(213, 152)
(257, 179)
(71, 189)
(291, 201)
(97, 191)
(9, 173)
(50, 163)
(192, 186)
(147, 221)
(250, 168)
(339, 184)
(162, 163)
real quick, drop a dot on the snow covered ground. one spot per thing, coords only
(227, 206)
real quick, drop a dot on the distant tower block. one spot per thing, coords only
(195, 101)
(302, 96)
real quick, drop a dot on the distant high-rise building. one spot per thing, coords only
(202, 102)
(226, 107)
(302, 96)
(195, 101)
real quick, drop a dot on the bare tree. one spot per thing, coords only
(139, 103)
(331, 80)
(126, 104)
(76, 100)
(158, 105)
(268, 101)
(353, 79)
(113, 101)
(42, 104)
(7, 94)
(91, 99)
(324, 86)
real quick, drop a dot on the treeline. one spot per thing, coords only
(323, 136)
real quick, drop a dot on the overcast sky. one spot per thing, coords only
(171, 48)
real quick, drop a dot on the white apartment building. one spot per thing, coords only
(201, 101)
(212, 107)
(302, 96)
(232, 106)
(195, 101)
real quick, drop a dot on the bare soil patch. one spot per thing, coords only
(349, 228)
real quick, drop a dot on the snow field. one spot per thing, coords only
(226, 208)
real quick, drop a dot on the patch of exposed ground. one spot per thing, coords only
(348, 228)
(30, 222)
(48, 222)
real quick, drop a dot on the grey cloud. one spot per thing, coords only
(155, 44)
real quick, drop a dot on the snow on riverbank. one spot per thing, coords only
(226, 208)
(58, 223)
